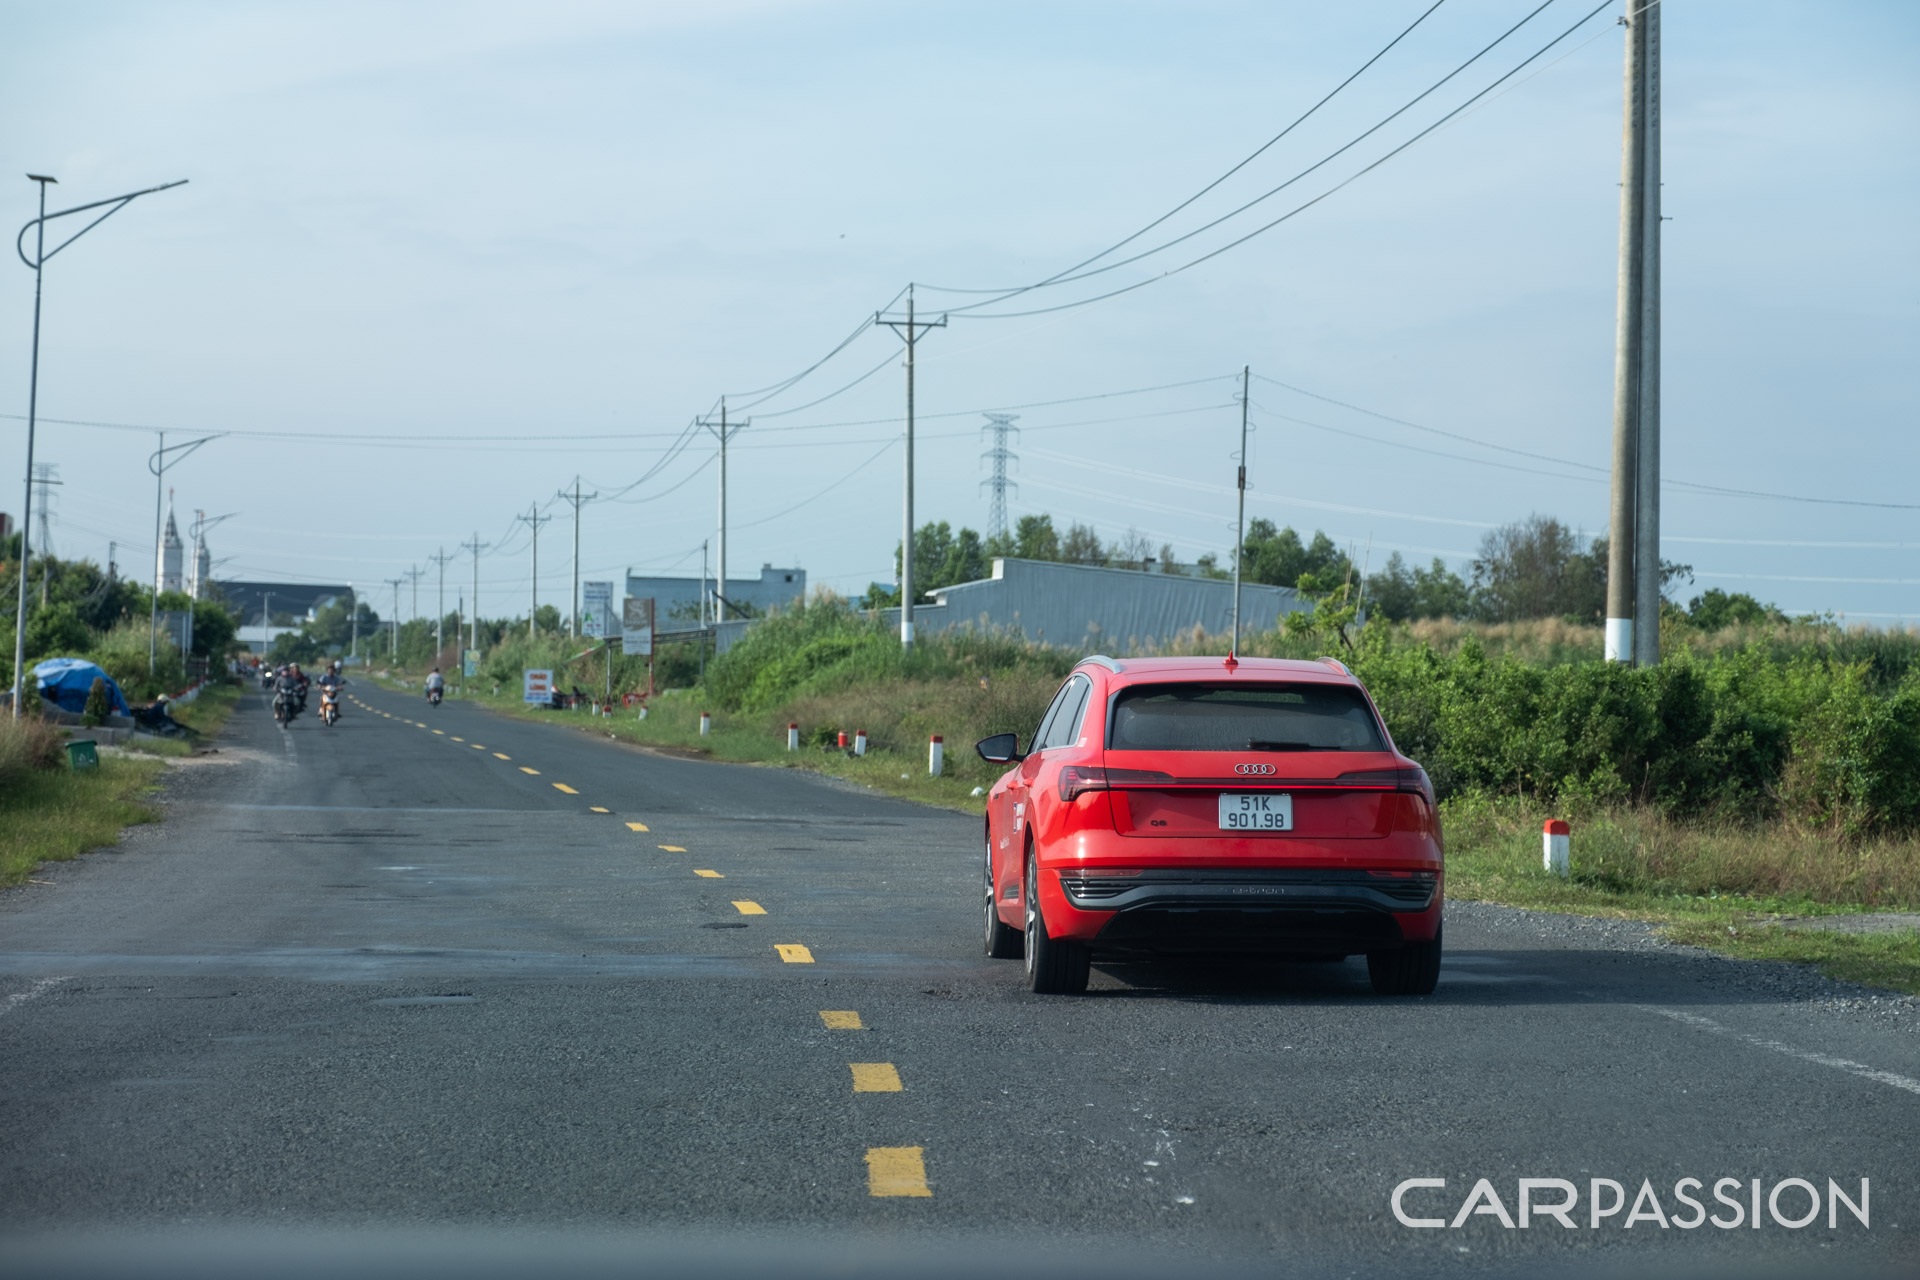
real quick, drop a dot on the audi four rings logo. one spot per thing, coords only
(1252, 768)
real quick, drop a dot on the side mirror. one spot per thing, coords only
(1001, 748)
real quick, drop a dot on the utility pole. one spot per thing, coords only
(45, 479)
(724, 431)
(997, 484)
(703, 585)
(1240, 521)
(535, 519)
(907, 328)
(393, 623)
(353, 607)
(577, 499)
(476, 546)
(413, 610)
(440, 558)
(1633, 549)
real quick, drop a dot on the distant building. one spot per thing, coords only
(677, 600)
(251, 600)
(1077, 606)
(169, 560)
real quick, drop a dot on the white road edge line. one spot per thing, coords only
(39, 988)
(1860, 1069)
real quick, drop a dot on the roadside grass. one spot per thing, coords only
(1730, 887)
(206, 713)
(1725, 885)
(55, 815)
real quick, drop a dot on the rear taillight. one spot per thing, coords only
(1403, 778)
(1078, 779)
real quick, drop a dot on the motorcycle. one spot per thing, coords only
(433, 697)
(285, 707)
(329, 705)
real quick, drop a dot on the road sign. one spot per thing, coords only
(637, 631)
(596, 609)
(536, 686)
(470, 663)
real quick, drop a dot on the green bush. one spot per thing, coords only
(27, 745)
(1855, 764)
(99, 705)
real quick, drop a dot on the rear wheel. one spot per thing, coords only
(1053, 968)
(1413, 970)
(1003, 940)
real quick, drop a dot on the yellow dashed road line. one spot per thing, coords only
(476, 746)
(594, 808)
(534, 772)
(674, 848)
(459, 739)
(793, 953)
(560, 786)
(875, 1077)
(710, 875)
(636, 826)
(498, 756)
(749, 908)
(896, 1171)
(842, 1020)
(443, 733)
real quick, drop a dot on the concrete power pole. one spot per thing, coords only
(440, 558)
(724, 431)
(907, 328)
(1633, 552)
(476, 546)
(578, 500)
(997, 484)
(393, 623)
(1240, 521)
(535, 520)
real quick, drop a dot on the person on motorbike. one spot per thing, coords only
(286, 696)
(436, 685)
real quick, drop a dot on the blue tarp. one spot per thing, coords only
(68, 681)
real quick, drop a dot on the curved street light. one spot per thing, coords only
(38, 262)
(158, 464)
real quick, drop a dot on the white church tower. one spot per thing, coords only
(170, 555)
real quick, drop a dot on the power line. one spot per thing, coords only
(1255, 155)
(969, 311)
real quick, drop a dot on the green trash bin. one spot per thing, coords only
(82, 755)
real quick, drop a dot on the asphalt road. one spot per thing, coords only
(441, 971)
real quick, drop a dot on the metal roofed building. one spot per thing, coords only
(1077, 605)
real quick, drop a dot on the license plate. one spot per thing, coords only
(1261, 811)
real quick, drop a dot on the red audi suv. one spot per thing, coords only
(1212, 805)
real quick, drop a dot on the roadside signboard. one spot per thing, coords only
(536, 686)
(470, 663)
(596, 609)
(637, 630)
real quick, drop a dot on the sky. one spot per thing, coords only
(436, 261)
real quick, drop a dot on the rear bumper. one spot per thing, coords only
(1304, 911)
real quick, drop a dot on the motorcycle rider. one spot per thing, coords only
(436, 684)
(288, 693)
(331, 682)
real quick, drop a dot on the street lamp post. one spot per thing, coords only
(38, 262)
(158, 464)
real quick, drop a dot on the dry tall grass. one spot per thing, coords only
(27, 746)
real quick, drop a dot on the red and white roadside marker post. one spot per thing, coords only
(936, 756)
(1554, 845)
(706, 724)
(793, 735)
(859, 742)
(840, 740)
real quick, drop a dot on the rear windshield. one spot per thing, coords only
(1244, 717)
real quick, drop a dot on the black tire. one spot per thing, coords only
(1053, 968)
(1413, 970)
(1003, 940)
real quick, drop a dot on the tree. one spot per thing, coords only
(1715, 610)
(1537, 568)
(1082, 546)
(1400, 594)
(1277, 557)
(1034, 538)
